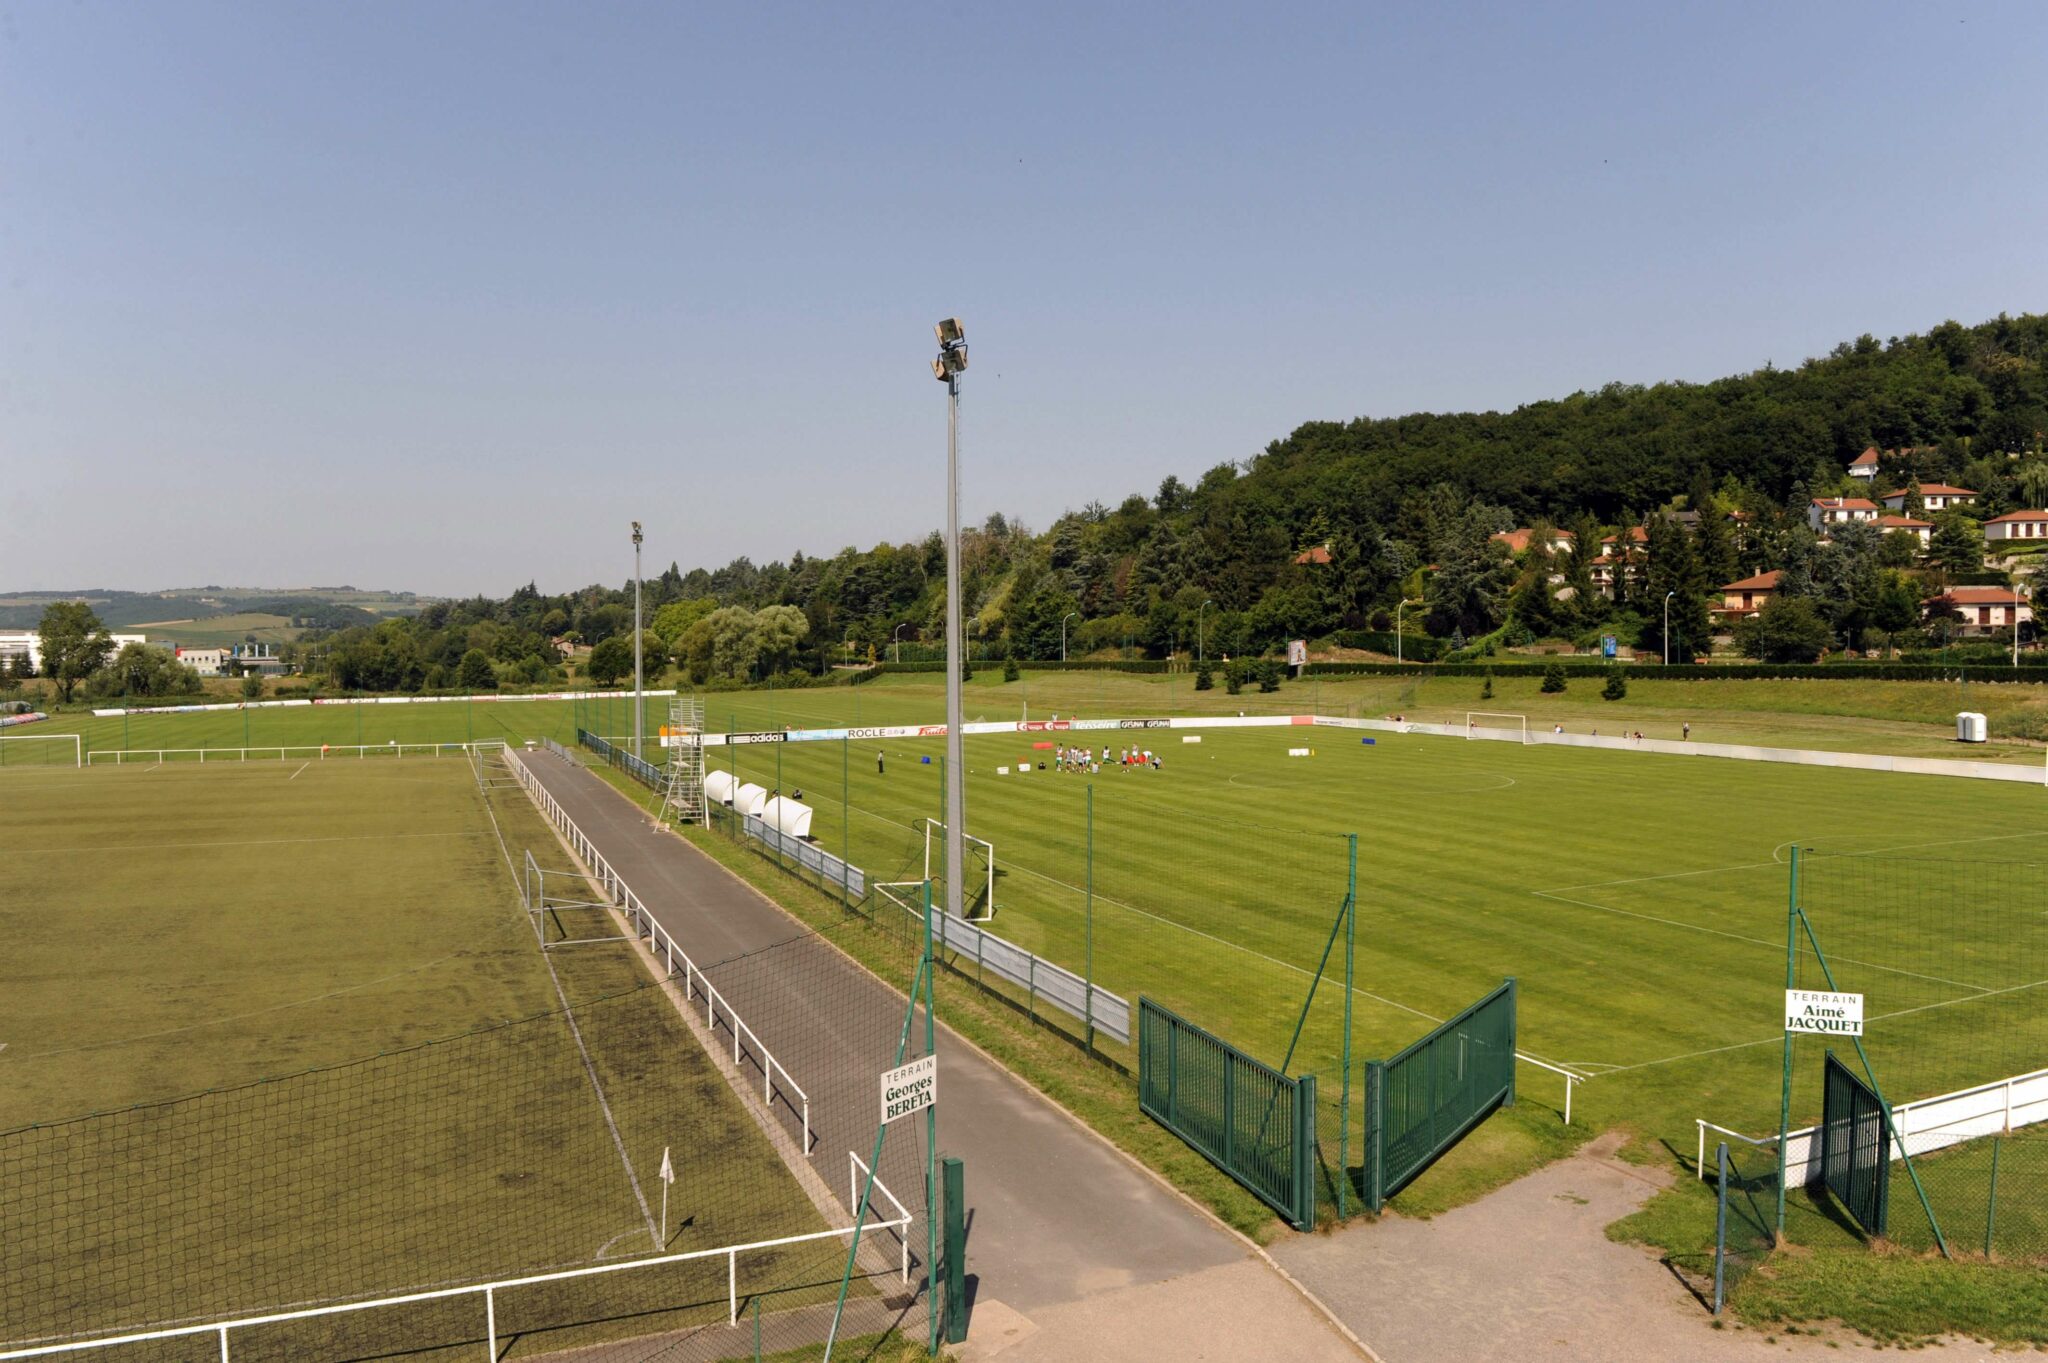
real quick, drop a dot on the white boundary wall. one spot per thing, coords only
(1925, 1125)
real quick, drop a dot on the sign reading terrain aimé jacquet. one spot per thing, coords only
(1812, 1010)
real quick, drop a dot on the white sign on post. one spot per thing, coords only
(1814, 1010)
(910, 1088)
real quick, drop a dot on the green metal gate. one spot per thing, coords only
(1855, 1146)
(1424, 1100)
(1252, 1121)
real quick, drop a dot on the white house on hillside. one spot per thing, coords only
(1823, 512)
(1864, 465)
(1983, 610)
(1933, 496)
(2016, 525)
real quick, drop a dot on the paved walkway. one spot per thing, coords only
(1066, 1236)
(1528, 1273)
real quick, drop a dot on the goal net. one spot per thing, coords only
(41, 750)
(978, 880)
(1478, 721)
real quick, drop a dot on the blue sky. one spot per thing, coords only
(441, 296)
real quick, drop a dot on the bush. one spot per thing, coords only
(1269, 675)
(1233, 678)
(477, 674)
(1204, 679)
(1486, 691)
(1010, 670)
(1553, 679)
(1617, 685)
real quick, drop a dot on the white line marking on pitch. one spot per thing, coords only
(295, 775)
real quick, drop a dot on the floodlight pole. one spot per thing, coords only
(897, 640)
(639, 699)
(1667, 627)
(1071, 614)
(952, 359)
(1200, 637)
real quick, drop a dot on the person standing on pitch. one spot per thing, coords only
(878, 761)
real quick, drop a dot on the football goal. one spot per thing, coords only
(1517, 725)
(977, 884)
(41, 750)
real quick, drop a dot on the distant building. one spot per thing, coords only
(1907, 525)
(1740, 600)
(1823, 512)
(1518, 539)
(260, 659)
(1933, 496)
(28, 643)
(1317, 554)
(1864, 465)
(1982, 610)
(207, 662)
(2016, 525)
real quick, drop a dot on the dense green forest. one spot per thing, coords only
(1323, 533)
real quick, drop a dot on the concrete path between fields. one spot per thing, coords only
(1074, 1252)
(1528, 1273)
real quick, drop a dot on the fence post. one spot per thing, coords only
(1513, 1040)
(1991, 1206)
(1305, 1152)
(1720, 1226)
(955, 1184)
(1344, 1079)
(1375, 1133)
(1090, 924)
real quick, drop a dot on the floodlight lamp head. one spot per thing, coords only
(636, 532)
(950, 332)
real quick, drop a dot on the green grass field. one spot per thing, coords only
(308, 1005)
(221, 631)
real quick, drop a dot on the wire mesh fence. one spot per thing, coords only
(1951, 956)
(1745, 1200)
(617, 1148)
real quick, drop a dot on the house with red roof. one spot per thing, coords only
(1740, 600)
(1920, 530)
(1518, 539)
(1864, 465)
(1933, 496)
(1980, 610)
(2016, 525)
(1823, 512)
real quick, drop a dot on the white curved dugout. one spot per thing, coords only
(750, 798)
(788, 816)
(718, 787)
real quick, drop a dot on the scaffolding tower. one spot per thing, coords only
(683, 797)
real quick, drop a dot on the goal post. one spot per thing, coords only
(42, 750)
(978, 885)
(1516, 724)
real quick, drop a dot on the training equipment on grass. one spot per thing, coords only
(41, 750)
(1519, 723)
(487, 763)
(978, 884)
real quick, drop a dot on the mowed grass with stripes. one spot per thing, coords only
(330, 1062)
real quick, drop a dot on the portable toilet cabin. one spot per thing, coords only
(1971, 727)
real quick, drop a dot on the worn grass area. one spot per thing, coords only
(329, 1063)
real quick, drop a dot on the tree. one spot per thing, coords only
(1674, 568)
(74, 643)
(1011, 672)
(252, 685)
(143, 670)
(1957, 545)
(1233, 678)
(1269, 675)
(476, 673)
(1789, 629)
(777, 632)
(1553, 679)
(672, 619)
(1205, 679)
(1897, 608)
(1617, 684)
(1486, 689)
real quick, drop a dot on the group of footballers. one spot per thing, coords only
(1084, 760)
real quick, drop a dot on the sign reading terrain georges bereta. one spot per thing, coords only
(910, 1088)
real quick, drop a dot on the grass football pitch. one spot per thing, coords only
(281, 1035)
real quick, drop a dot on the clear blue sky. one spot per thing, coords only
(440, 296)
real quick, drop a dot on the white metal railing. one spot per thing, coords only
(856, 1166)
(1925, 1124)
(1699, 1159)
(1572, 1079)
(286, 753)
(489, 1292)
(665, 948)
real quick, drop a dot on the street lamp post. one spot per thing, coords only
(1399, 606)
(1667, 626)
(639, 682)
(897, 640)
(947, 368)
(1200, 637)
(1063, 633)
